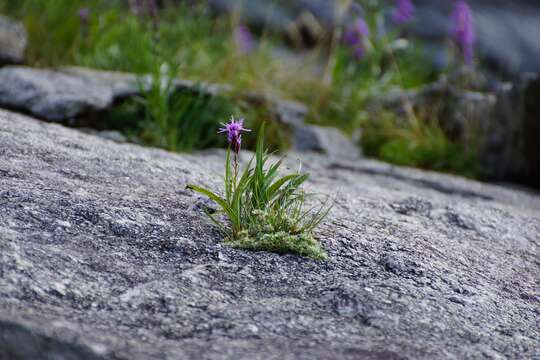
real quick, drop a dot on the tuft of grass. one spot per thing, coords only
(265, 211)
(176, 119)
(186, 119)
(182, 120)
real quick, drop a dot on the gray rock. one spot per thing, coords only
(326, 140)
(52, 94)
(20, 342)
(464, 111)
(103, 251)
(121, 85)
(306, 137)
(13, 40)
(106, 134)
(499, 117)
(112, 135)
(73, 92)
(531, 128)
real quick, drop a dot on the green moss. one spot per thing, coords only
(270, 231)
(282, 243)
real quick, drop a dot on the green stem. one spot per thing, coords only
(235, 168)
(236, 228)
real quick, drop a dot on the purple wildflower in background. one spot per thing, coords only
(143, 7)
(84, 15)
(355, 35)
(403, 12)
(356, 9)
(234, 133)
(243, 39)
(136, 7)
(463, 32)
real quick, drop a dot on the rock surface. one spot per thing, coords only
(13, 40)
(531, 115)
(70, 92)
(306, 137)
(52, 94)
(104, 255)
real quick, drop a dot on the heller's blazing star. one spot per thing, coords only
(243, 39)
(354, 36)
(404, 11)
(83, 14)
(234, 133)
(264, 210)
(463, 30)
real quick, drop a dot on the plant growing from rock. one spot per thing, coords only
(264, 211)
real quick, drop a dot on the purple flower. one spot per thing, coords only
(234, 133)
(356, 9)
(243, 39)
(83, 14)
(136, 7)
(463, 32)
(355, 35)
(404, 11)
(143, 7)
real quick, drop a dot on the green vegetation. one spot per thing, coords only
(266, 212)
(389, 63)
(181, 120)
(416, 143)
(184, 119)
(193, 44)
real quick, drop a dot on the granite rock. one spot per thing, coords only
(105, 255)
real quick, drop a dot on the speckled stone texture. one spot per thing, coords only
(105, 255)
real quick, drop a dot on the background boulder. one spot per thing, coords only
(500, 118)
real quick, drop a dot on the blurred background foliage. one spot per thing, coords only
(337, 80)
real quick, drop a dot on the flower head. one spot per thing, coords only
(463, 32)
(403, 12)
(234, 130)
(354, 36)
(83, 14)
(243, 39)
